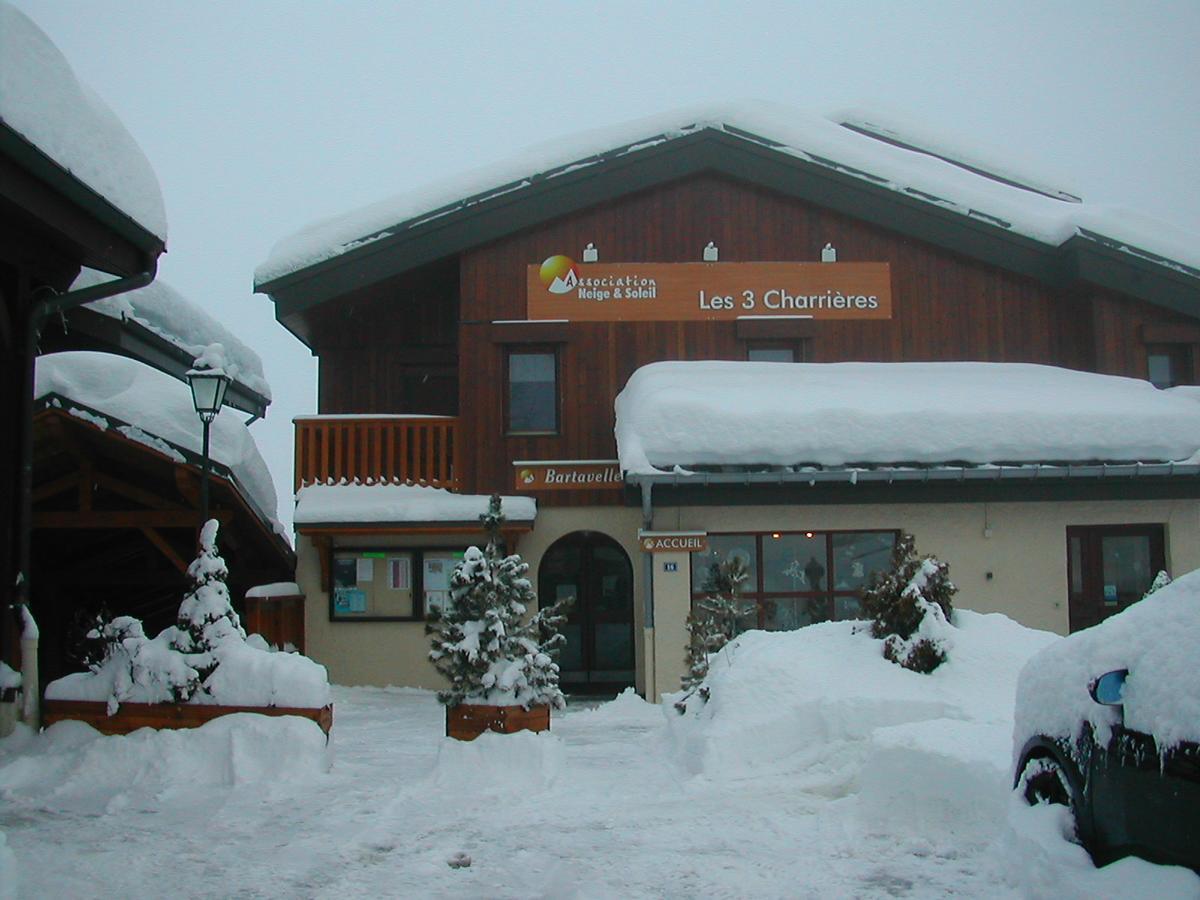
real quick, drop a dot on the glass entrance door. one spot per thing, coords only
(591, 567)
(1109, 567)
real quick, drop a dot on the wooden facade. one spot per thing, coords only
(405, 332)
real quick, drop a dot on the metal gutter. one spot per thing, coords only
(1036, 471)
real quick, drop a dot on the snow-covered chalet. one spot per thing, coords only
(736, 332)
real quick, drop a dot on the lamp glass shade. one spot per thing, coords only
(208, 392)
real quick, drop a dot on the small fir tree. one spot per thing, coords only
(716, 619)
(909, 606)
(481, 643)
(1161, 580)
(206, 616)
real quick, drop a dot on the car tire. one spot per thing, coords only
(1046, 779)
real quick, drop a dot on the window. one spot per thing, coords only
(778, 351)
(798, 578)
(400, 584)
(532, 391)
(1168, 364)
(1110, 567)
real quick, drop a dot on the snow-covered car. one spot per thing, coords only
(1108, 723)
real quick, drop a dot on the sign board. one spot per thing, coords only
(568, 475)
(673, 541)
(561, 288)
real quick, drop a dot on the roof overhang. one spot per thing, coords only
(935, 484)
(86, 329)
(60, 209)
(743, 157)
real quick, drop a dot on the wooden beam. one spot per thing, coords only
(189, 486)
(165, 549)
(139, 518)
(50, 488)
(87, 485)
(135, 493)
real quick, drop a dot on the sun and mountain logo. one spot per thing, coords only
(560, 274)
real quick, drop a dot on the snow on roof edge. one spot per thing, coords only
(323, 504)
(43, 101)
(817, 140)
(682, 416)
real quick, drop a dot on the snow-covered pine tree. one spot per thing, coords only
(206, 616)
(716, 619)
(911, 598)
(1161, 580)
(481, 644)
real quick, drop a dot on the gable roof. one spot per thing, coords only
(878, 179)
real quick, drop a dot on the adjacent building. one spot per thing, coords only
(738, 332)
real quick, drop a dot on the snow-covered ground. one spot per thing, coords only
(868, 782)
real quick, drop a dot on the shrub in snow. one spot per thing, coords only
(206, 616)
(481, 644)
(909, 607)
(205, 658)
(716, 619)
(1161, 580)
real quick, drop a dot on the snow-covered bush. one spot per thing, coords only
(136, 662)
(715, 619)
(205, 658)
(481, 644)
(1161, 580)
(909, 605)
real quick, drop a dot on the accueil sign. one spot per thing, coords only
(561, 288)
(673, 541)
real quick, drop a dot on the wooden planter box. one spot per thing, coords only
(466, 721)
(132, 716)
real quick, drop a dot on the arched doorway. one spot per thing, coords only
(592, 568)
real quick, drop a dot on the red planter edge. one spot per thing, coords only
(132, 716)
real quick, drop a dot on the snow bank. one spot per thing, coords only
(71, 765)
(498, 763)
(400, 503)
(1038, 860)
(158, 404)
(163, 310)
(43, 101)
(1156, 639)
(802, 135)
(836, 414)
(9, 678)
(814, 700)
(9, 876)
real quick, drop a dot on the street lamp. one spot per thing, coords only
(208, 395)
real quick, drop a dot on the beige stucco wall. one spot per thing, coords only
(396, 653)
(1025, 552)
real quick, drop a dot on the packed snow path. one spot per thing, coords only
(598, 809)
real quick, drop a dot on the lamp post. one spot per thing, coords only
(208, 395)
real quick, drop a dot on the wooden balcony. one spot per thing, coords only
(373, 448)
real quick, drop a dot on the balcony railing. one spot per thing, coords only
(373, 448)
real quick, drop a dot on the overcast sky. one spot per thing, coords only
(260, 117)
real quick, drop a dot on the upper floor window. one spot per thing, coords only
(778, 351)
(1168, 364)
(532, 391)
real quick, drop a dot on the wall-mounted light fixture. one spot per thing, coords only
(590, 253)
(710, 252)
(828, 253)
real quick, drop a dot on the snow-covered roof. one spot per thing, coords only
(674, 414)
(158, 412)
(164, 311)
(43, 101)
(820, 141)
(400, 503)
